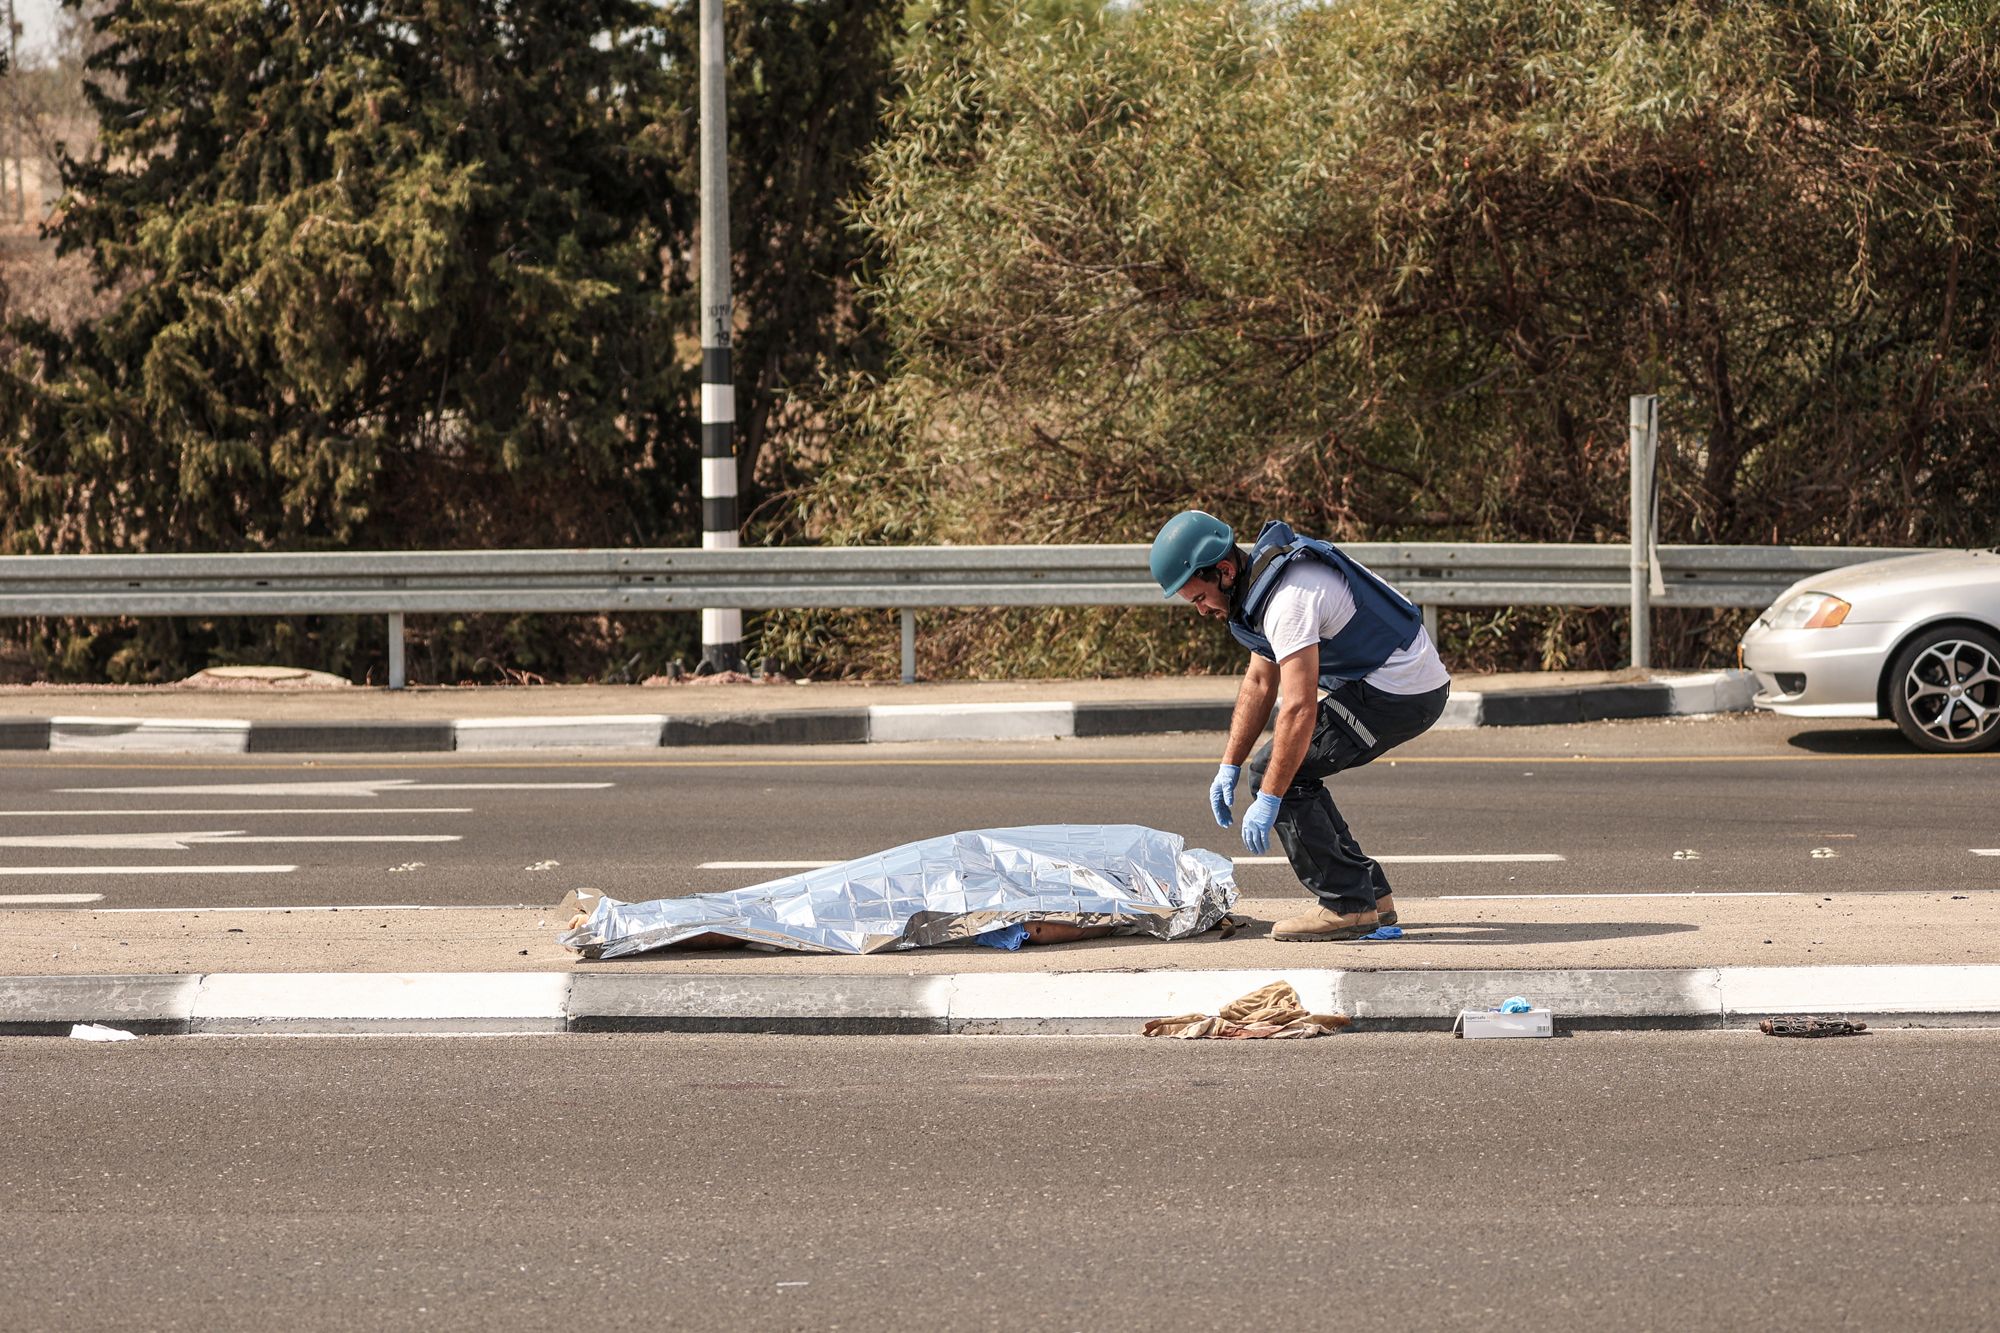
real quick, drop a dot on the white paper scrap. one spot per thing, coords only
(99, 1032)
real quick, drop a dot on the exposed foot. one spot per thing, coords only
(1061, 932)
(1385, 908)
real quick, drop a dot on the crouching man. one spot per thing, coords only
(1357, 674)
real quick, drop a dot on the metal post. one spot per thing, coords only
(14, 193)
(1645, 425)
(1430, 622)
(396, 677)
(909, 646)
(721, 630)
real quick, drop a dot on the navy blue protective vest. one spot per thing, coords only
(1384, 620)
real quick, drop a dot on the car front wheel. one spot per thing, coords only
(1944, 689)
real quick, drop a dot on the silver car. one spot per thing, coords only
(1915, 638)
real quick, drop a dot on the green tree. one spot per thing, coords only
(1392, 270)
(420, 275)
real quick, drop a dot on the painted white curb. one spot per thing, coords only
(971, 722)
(148, 735)
(975, 1002)
(1711, 692)
(342, 1001)
(1877, 989)
(607, 731)
(1461, 712)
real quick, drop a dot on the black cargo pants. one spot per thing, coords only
(1356, 723)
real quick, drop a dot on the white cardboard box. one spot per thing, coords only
(1487, 1023)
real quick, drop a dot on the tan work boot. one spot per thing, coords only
(1385, 909)
(1323, 923)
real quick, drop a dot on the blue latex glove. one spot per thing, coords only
(1257, 823)
(1222, 793)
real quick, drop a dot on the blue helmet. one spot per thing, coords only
(1190, 542)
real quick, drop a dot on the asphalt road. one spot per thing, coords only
(1660, 1180)
(1741, 804)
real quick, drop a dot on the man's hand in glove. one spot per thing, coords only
(1257, 823)
(1222, 793)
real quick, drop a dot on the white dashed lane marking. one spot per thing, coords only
(48, 899)
(147, 870)
(362, 788)
(180, 842)
(218, 814)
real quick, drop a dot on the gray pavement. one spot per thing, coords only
(1639, 871)
(1750, 803)
(1665, 1180)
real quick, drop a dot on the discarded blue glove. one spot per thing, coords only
(1513, 1004)
(1009, 938)
(1257, 823)
(1222, 793)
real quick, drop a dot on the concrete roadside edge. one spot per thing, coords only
(974, 1003)
(1703, 692)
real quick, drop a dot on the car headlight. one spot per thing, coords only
(1809, 610)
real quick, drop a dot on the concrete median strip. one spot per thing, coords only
(971, 1003)
(1704, 692)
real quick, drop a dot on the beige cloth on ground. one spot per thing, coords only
(1268, 1011)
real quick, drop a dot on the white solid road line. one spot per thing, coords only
(47, 899)
(212, 814)
(336, 837)
(337, 907)
(362, 788)
(765, 865)
(509, 786)
(147, 870)
(1470, 858)
(1986, 851)
(180, 842)
(1532, 897)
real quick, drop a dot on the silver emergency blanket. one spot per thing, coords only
(1137, 880)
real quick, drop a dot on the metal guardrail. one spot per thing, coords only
(1432, 574)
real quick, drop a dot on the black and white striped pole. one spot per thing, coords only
(721, 631)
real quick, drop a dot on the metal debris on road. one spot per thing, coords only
(1809, 1025)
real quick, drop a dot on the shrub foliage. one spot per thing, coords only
(1392, 268)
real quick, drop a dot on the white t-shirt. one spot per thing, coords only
(1313, 602)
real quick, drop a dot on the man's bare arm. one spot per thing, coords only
(1298, 682)
(1253, 708)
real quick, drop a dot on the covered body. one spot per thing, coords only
(944, 890)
